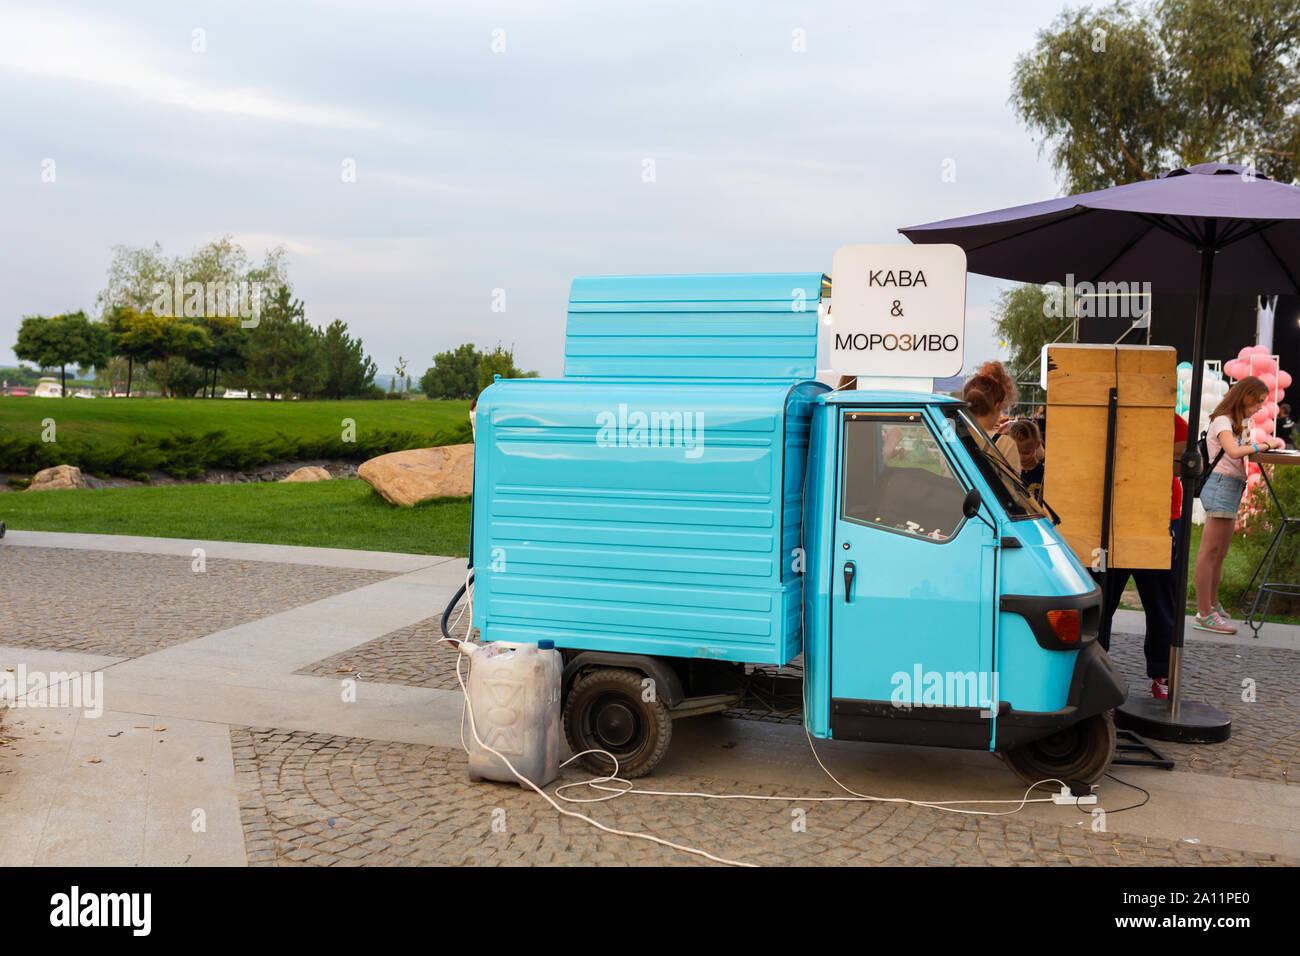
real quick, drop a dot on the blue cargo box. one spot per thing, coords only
(642, 517)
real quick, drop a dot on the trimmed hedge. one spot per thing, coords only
(186, 455)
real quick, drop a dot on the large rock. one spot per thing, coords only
(308, 473)
(56, 478)
(407, 477)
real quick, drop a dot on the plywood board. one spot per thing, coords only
(1078, 382)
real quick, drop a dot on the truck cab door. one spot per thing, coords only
(911, 589)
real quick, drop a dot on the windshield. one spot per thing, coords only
(1014, 497)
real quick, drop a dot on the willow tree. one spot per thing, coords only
(1120, 94)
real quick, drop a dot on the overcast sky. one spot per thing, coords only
(478, 170)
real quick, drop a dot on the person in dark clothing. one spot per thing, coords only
(1286, 424)
(1157, 589)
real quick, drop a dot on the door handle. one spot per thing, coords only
(848, 581)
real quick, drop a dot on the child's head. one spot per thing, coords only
(1243, 400)
(1025, 434)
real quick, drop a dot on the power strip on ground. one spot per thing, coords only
(1066, 798)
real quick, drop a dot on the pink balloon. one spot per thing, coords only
(1245, 353)
(1284, 378)
(1259, 349)
(1269, 380)
(1261, 364)
(1237, 368)
(1258, 434)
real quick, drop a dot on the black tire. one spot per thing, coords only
(604, 711)
(1082, 751)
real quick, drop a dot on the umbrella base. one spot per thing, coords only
(1196, 723)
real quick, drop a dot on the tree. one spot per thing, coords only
(1026, 318)
(125, 340)
(132, 276)
(159, 338)
(62, 339)
(1120, 95)
(501, 362)
(454, 374)
(348, 370)
(283, 354)
(227, 339)
(143, 280)
(401, 375)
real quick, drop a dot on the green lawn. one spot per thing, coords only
(343, 513)
(1238, 566)
(120, 418)
(184, 437)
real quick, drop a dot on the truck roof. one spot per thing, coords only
(694, 327)
(852, 396)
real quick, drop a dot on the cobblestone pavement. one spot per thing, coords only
(410, 656)
(127, 605)
(1265, 741)
(319, 800)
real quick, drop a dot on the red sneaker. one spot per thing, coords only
(1160, 688)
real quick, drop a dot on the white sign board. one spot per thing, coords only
(898, 311)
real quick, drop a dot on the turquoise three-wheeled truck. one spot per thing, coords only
(687, 511)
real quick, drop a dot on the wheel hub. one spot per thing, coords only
(615, 724)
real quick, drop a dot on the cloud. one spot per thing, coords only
(64, 48)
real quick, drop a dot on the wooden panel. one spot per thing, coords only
(1078, 381)
(1082, 375)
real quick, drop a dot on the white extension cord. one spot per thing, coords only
(466, 648)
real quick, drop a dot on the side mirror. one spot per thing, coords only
(971, 506)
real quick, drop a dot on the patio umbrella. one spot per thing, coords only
(1213, 227)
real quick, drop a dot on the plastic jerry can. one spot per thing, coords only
(514, 696)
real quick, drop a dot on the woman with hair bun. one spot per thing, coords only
(989, 392)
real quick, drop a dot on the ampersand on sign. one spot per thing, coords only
(896, 309)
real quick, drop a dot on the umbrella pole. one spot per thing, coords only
(1191, 467)
(1190, 721)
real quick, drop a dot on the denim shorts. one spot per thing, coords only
(1221, 495)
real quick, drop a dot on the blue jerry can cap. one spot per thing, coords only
(546, 645)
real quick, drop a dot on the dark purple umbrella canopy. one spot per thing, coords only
(1149, 231)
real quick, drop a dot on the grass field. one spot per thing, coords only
(343, 513)
(185, 437)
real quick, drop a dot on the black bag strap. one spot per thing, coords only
(1207, 471)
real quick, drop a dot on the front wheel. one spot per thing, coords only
(606, 710)
(1082, 751)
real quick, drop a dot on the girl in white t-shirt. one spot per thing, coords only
(1221, 494)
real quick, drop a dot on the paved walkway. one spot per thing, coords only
(229, 736)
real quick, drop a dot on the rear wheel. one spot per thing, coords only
(605, 710)
(1082, 751)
